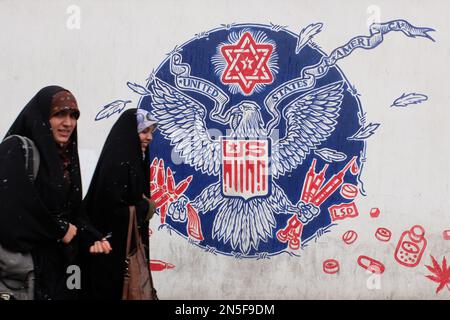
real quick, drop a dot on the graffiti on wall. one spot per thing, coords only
(262, 143)
(268, 130)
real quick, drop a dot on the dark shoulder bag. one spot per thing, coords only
(137, 283)
(17, 269)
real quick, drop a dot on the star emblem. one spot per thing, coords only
(233, 147)
(247, 63)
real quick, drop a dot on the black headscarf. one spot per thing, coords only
(120, 179)
(33, 213)
(122, 174)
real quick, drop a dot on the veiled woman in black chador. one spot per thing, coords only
(43, 216)
(121, 179)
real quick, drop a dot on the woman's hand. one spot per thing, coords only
(102, 246)
(151, 208)
(70, 234)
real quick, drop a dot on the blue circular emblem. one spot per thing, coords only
(257, 151)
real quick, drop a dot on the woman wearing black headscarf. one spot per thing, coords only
(44, 216)
(121, 179)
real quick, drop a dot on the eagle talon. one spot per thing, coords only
(177, 209)
(307, 212)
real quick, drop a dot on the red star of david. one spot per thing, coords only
(247, 63)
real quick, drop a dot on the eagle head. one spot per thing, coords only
(246, 120)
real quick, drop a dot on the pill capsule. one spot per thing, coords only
(371, 264)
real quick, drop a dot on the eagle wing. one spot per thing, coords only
(181, 119)
(310, 119)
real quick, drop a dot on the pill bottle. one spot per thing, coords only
(411, 246)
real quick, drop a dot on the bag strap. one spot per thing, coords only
(137, 237)
(132, 228)
(35, 159)
(32, 156)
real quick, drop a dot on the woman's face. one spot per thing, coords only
(146, 136)
(63, 123)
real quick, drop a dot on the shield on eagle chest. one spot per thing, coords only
(245, 167)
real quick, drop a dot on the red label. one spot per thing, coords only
(343, 210)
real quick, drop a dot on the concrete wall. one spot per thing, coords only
(406, 173)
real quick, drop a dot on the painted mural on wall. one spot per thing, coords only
(262, 143)
(245, 125)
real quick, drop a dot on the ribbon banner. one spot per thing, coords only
(184, 80)
(310, 74)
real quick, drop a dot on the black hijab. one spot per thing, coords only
(31, 213)
(121, 177)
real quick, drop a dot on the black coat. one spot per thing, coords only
(120, 179)
(34, 215)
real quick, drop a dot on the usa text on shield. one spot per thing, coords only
(245, 167)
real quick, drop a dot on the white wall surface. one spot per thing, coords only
(406, 174)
